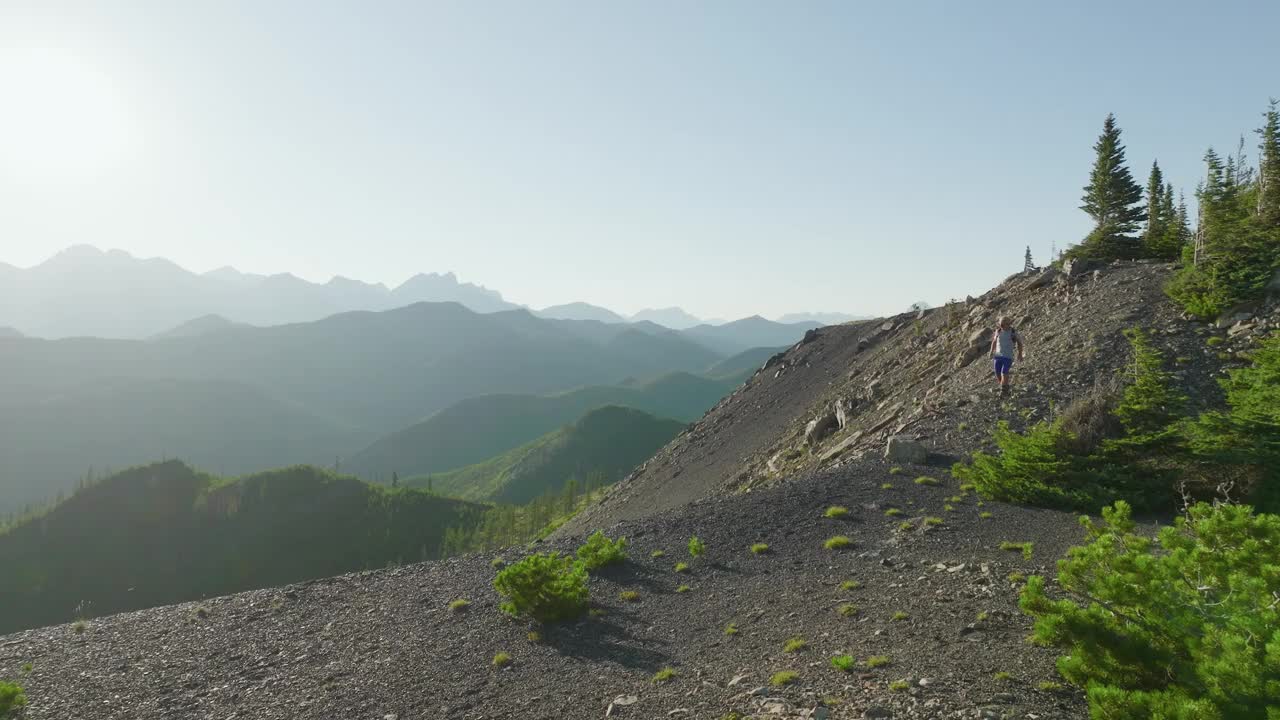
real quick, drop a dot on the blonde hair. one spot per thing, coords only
(1004, 320)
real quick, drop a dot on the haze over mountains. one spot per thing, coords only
(86, 292)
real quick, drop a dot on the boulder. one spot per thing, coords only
(820, 428)
(901, 449)
(872, 390)
(968, 355)
(1078, 266)
(1045, 277)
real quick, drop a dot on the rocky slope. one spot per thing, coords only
(385, 644)
(925, 376)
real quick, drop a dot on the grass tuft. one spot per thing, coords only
(759, 548)
(899, 686)
(926, 480)
(683, 589)
(892, 512)
(1050, 686)
(899, 616)
(848, 610)
(785, 677)
(839, 542)
(663, 675)
(795, 644)
(845, 663)
(657, 554)
(848, 585)
(836, 511)
(501, 660)
(933, 521)
(731, 629)
(629, 596)
(682, 567)
(886, 486)
(1002, 675)
(985, 515)
(876, 661)
(1025, 547)
(459, 605)
(895, 470)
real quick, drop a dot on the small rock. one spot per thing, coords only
(737, 679)
(625, 700)
(877, 711)
(761, 691)
(902, 450)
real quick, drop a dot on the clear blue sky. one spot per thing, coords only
(729, 157)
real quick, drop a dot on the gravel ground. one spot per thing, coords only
(385, 644)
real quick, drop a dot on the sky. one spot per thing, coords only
(732, 158)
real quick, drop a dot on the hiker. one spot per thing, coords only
(1005, 341)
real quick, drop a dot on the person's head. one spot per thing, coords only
(1005, 322)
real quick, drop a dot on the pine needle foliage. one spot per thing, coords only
(1182, 626)
(545, 587)
(599, 551)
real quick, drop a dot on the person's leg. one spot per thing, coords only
(1005, 378)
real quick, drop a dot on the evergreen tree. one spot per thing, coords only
(1268, 208)
(1027, 264)
(1157, 221)
(395, 479)
(1112, 199)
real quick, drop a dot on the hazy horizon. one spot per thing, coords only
(728, 159)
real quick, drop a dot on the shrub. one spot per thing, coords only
(895, 470)
(731, 629)
(599, 551)
(501, 660)
(892, 512)
(839, 542)
(497, 563)
(886, 486)
(845, 663)
(1215, 341)
(1002, 675)
(1024, 547)
(1150, 402)
(1050, 686)
(1090, 419)
(848, 585)
(79, 627)
(876, 661)
(906, 525)
(1016, 577)
(983, 616)
(12, 699)
(933, 521)
(899, 686)
(696, 547)
(836, 511)
(899, 616)
(683, 589)
(459, 605)
(968, 487)
(847, 610)
(985, 515)
(926, 480)
(682, 567)
(629, 596)
(795, 644)
(657, 554)
(759, 548)
(784, 677)
(948, 508)
(545, 587)
(1185, 625)
(663, 675)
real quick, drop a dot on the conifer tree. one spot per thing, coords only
(1112, 199)
(1269, 168)
(1156, 220)
(1027, 264)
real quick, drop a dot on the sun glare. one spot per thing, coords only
(61, 118)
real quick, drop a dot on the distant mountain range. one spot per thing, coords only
(86, 292)
(83, 291)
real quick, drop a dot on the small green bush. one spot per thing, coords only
(795, 644)
(968, 487)
(892, 512)
(836, 511)
(847, 610)
(628, 596)
(663, 675)
(886, 486)
(731, 629)
(683, 589)
(1016, 577)
(848, 585)
(501, 660)
(983, 616)
(926, 480)
(948, 508)
(599, 551)
(12, 699)
(27, 668)
(545, 587)
(497, 563)
(459, 605)
(839, 542)
(696, 547)
(784, 677)
(895, 470)
(933, 521)
(1024, 547)
(682, 567)
(1050, 686)
(985, 515)
(1185, 625)
(899, 686)
(1215, 341)
(759, 548)
(906, 525)
(844, 663)
(899, 616)
(876, 661)
(1002, 676)
(657, 554)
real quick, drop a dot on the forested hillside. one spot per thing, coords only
(603, 445)
(166, 533)
(479, 428)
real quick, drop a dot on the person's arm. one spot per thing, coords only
(1017, 343)
(995, 336)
